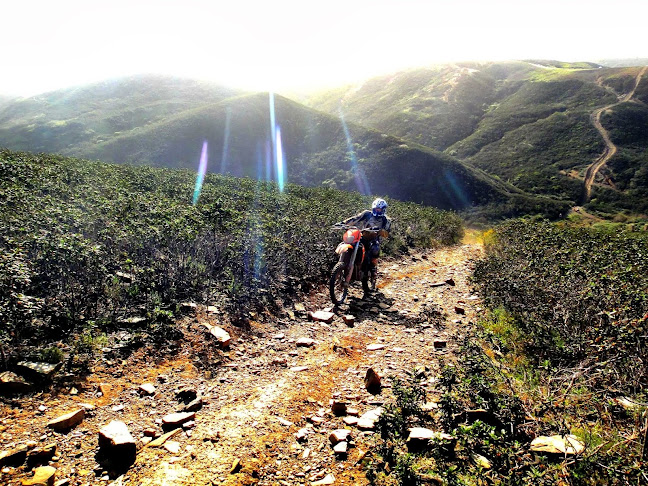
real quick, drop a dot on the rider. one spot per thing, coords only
(374, 219)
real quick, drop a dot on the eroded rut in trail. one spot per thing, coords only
(266, 388)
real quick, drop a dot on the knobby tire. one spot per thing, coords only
(337, 280)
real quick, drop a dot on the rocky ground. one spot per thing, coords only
(258, 411)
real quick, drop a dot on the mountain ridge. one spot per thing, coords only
(527, 122)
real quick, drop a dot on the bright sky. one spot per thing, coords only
(294, 44)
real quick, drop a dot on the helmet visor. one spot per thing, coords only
(378, 211)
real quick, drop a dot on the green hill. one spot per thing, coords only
(164, 122)
(61, 120)
(527, 123)
(318, 149)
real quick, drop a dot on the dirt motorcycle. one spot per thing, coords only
(353, 263)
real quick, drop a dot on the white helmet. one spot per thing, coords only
(379, 207)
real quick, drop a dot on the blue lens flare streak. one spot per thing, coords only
(453, 190)
(202, 170)
(280, 161)
(358, 174)
(277, 149)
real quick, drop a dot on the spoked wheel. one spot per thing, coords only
(338, 287)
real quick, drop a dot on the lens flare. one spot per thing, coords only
(358, 174)
(280, 161)
(202, 170)
(454, 191)
(277, 149)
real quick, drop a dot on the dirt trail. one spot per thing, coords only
(265, 388)
(610, 148)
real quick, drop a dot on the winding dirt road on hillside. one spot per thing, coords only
(264, 389)
(610, 148)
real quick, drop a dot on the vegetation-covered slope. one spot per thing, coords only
(525, 122)
(436, 107)
(316, 148)
(164, 122)
(628, 169)
(84, 245)
(61, 120)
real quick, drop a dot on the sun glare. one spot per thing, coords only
(288, 44)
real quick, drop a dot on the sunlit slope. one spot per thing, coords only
(316, 149)
(61, 120)
(525, 122)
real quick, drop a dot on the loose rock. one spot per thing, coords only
(339, 435)
(43, 476)
(172, 446)
(322, 316)
(328, 479)
(372, 381)
(116, 442)
(375, 347)
(173, 420)
(340, 448)
(368, 420)
(193, 406)
(186, 394)
(221, 335)
(12, 383)
(558, 444)
(350, 420)
(338, 408)
(14, 457)
(419, 438)
(42, 455)
(40, 371)
(305, 342)
(68, 420)
(147, 389)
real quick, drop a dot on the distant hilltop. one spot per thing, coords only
(627, 62)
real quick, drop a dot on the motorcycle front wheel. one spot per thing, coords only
(338, 287)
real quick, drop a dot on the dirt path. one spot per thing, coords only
(610, 148)
(265, 388)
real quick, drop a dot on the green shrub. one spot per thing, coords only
(84, 241)
(578, 295)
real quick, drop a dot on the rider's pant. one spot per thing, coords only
(372, 252)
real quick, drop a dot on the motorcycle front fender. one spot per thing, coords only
(343, 248)
(345, 251)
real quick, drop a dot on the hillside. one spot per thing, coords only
(59, 121)
(315, 151)
(71, 229)
(525, 122)
(164, 122)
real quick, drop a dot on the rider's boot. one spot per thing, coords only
(373, 277)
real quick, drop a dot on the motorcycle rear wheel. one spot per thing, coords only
(338, 287)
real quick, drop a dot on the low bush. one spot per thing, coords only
(566, 332)
(578, 295)
(88, 242)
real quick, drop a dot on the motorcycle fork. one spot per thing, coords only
(351, 263)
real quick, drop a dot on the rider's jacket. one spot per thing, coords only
(366, 219)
